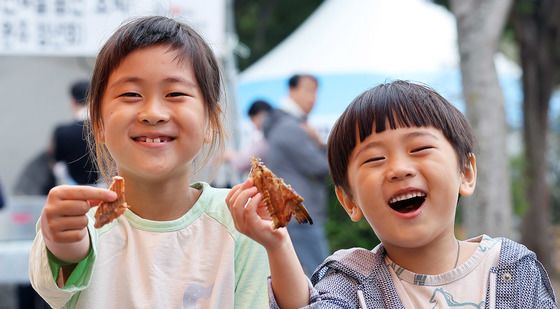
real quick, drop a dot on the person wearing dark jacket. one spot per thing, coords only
(69, 144)
(297, 154)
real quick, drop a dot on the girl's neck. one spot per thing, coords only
(160, 200)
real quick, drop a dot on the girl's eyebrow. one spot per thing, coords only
(169, 80)
(176, 79)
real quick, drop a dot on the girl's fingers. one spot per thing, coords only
(63, 224)
(69, 236)
(71, 208)
(83, 193)
(93, 203)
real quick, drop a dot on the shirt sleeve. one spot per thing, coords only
(251, 272)
(44, 269)
(334, 291)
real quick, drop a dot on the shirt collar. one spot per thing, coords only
(291, 107)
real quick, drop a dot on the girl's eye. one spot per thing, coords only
(130, 94)
(374, 159)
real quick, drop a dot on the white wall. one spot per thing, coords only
(34, 98)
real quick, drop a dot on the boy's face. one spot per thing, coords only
(406, 183)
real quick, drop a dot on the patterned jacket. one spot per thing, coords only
(518, 281)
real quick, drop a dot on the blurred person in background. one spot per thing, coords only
(69, 144)
(1, 197)
(297, 154)
(257, 146)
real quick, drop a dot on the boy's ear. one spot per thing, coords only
(353, 211)
(468, 181)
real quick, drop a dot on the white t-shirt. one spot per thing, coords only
(462, 287)
(196, 261)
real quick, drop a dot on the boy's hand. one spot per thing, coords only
(64, 221)
(251, 216)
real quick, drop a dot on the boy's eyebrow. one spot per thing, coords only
(406, 136)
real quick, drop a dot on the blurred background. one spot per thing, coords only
(498, 61)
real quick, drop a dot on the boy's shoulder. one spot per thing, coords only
(357, 263)
(512, 252)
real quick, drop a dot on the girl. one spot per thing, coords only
(153, 107)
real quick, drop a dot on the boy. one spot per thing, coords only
(400, 156)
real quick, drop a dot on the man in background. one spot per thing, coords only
(69, 144)
(297, 154)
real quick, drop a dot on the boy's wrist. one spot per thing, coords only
(282, 244)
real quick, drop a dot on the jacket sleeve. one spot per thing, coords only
(333, 291)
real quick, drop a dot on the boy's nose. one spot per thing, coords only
(154, 112)
(400, 170)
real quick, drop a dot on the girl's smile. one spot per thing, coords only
(153, 114)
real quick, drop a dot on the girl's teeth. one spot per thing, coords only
(153, 140)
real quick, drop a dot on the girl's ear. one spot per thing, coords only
(101, 135)
(353, 211)
(468, 181)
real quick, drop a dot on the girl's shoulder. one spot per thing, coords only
(212, 203)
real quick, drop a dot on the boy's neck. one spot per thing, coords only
(435, 258)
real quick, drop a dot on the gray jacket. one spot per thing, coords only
(295, 157)
(521, 281)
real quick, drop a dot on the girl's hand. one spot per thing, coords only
(64, 221)
(251, 216)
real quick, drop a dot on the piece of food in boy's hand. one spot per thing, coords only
(109, 211)
(279, 198)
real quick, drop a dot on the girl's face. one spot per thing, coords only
(406, 182)
(153, 114)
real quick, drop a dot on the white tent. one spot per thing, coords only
(352, 45)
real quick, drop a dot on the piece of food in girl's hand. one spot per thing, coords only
(109, 211)
(281, 201)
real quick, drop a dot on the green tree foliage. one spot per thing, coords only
(261, 25)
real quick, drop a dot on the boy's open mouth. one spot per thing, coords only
(407, 202)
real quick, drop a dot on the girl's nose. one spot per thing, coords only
(153, 112)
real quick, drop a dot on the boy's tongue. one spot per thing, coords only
(408, 205)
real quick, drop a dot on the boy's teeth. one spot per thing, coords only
(405, 196)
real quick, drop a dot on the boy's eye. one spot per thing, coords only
(176, 94)
(422, 148)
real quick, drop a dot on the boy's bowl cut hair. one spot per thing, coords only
(151, 31)
(399, 104)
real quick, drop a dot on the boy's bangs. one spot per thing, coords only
(396, 111)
